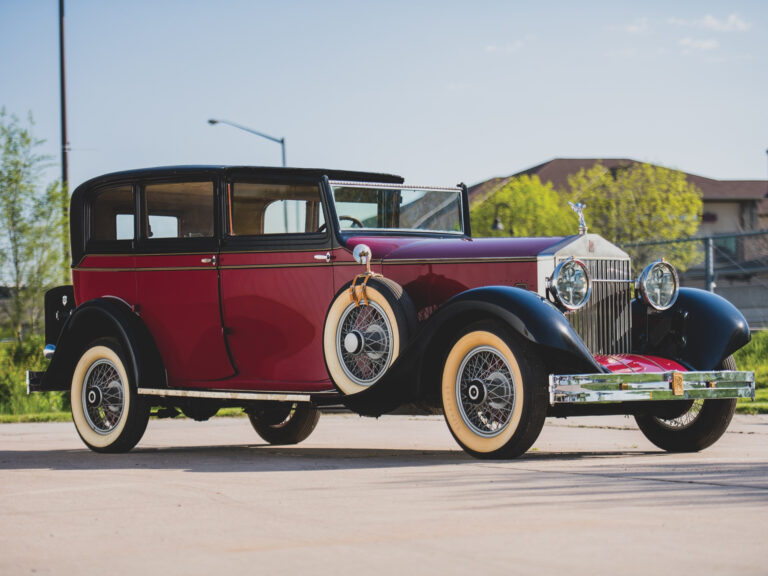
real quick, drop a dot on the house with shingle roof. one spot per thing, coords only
(729, 205)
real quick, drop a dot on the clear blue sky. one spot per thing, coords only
(439, 92)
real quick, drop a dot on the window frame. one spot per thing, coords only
(125, 246)
(148, 245)
(274, 242)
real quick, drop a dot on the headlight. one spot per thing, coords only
(658, 285)
(570, 284)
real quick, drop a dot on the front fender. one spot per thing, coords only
(701, 330)
(98, 318)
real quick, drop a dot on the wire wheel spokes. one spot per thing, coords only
(364, 342)
(103, 396)
(485, 391)
(685, 420)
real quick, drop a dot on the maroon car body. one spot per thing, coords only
(201, 287)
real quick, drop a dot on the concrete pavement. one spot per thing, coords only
(393, 495)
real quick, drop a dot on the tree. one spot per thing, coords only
(525, 207)
(640, 203)
(31, 254)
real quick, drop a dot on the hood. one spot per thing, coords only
(420, 248)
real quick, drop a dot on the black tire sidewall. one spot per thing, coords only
(137, 415)
(534, 398)
(713, 420)
(403, 322)
(296, 429)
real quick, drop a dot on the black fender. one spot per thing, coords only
(98, 318)
(415, 376)
(700, 330)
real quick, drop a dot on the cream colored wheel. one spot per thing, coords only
(493, 397)
(108, 414)
(361, 341)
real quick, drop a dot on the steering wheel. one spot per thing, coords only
(355, 222)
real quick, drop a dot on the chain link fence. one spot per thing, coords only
(735, 266)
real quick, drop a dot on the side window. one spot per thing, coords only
(179, 210)
(113, 214)
(258, 209)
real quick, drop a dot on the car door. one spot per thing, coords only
(276, 282)
(177, 279)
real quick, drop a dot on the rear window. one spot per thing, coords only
(179, 210)
(113, 214)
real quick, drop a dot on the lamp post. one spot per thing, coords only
(497, 224)
(281, 141)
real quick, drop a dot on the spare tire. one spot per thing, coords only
(361, 341)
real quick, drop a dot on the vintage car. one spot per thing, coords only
(282, 291)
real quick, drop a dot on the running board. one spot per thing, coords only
(216, 395)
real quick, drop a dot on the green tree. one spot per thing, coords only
(31, 250)
(526, 207)
(639, 203)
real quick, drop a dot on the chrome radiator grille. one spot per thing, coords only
(605, 323)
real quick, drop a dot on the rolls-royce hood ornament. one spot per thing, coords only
(579, 209)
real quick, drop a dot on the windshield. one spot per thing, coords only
(370, 206)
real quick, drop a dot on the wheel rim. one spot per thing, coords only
(685, 420)
(485, 391)
(103, 396)
(364, 343)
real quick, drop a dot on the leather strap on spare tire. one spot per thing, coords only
(364, 336)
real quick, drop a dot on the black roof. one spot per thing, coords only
(78, 196)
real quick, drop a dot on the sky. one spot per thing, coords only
(439, 92)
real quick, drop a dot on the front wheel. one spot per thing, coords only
(108, 413)
(284, 422)
(700, 426)
(494, 392)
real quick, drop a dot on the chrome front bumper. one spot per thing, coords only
(594, 388)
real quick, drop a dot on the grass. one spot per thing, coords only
(16, 406)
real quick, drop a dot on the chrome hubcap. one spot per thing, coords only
(485, 391)
(103, 396)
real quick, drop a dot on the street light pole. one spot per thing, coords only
(280, 141)
(64, 143)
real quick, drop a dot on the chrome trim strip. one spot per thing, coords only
(595, 388)
(390, 186)
(224, 395)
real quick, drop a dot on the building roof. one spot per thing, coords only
(557, 171)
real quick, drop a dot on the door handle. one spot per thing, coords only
(324, 257)
(211, 260)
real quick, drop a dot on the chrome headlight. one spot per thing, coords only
(658, 285)
(570, 284)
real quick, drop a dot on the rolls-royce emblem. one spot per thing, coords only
(579, 209)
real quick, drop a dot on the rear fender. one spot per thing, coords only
(99, 318)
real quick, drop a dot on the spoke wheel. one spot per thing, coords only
(494, 392)
(361, 341)
(700, 426)
(108, 413)
(364, 342)
(103, 396)
(284, 423)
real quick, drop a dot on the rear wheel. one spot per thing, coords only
(700, 426)
(494, 392)
(108, 413)
(285, 422)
